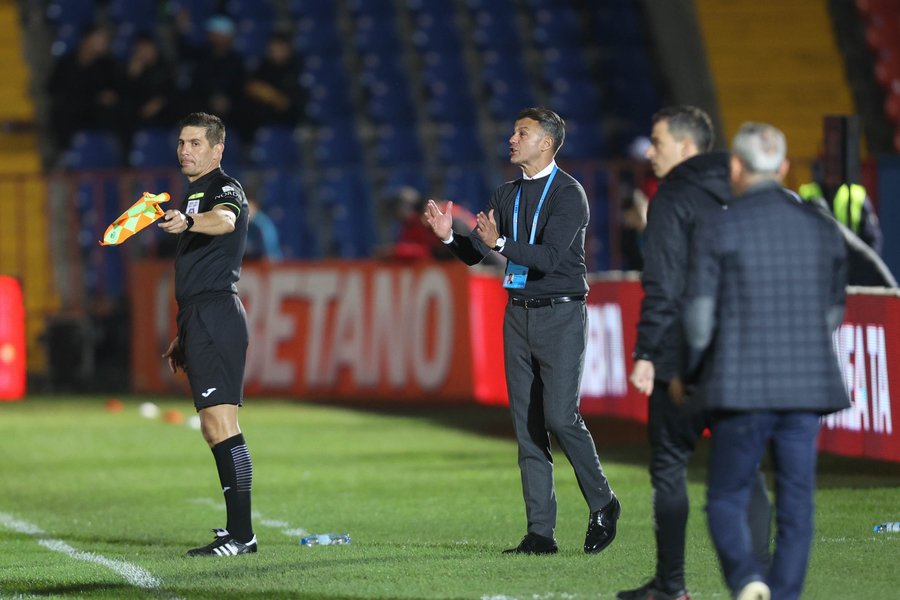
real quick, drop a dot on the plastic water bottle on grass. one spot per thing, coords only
(890, 527)
(326, 539)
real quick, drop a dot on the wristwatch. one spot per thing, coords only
(500, 244)
(190, 222)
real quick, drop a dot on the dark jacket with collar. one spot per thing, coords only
(690, 191)
(765, 291)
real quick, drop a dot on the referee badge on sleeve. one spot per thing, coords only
(193, 207)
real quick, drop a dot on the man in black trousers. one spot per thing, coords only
(538, 223)
(765, 293)
(695, 184)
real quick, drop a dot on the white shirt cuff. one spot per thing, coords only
(450, 241)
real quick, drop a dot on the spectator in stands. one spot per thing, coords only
(694, 186)
(262, 236)
(85, 89)
(634, 222)
(148, 86)
(219, 76)
(274, 94)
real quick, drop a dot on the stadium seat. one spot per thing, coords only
(412, 175)
(506, 8)
(152, 148)
(577, 99)
(233, 155)
(397, 144)
(434, 33)
(336, 146)
(503, 66)
(275, 147)
(139, 13)
(75, 13)
(283, 200)
(459, 144)
(346, 195)
(449, 103)
(446, 10)
(617, 27)
(564, 63)
(252, 39)
(558, 27)
(371, 7)
(316, 9)
(507, 98)
(377, 34)
(92, 150)
(495, 32)
(263, 11)
(467, 186)
(317, 35)
(391, 103)
(584, 140)
(199, 11)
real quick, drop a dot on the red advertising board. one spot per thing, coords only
(12, 340)
(433, 331)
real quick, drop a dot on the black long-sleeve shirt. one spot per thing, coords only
(555, 261)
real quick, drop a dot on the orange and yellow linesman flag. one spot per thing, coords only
(142, 213)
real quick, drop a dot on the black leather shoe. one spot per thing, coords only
(602, 527)
(652, 591)
(534, 544)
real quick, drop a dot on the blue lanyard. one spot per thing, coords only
(536, 213)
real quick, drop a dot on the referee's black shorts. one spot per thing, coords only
(214, 336)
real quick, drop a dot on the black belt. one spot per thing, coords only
(539, 302)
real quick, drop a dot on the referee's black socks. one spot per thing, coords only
(236, 475)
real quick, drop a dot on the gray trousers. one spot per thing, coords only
(544, 354)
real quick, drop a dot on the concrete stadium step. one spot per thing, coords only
(778, 62)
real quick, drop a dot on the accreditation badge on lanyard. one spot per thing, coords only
(517, 275)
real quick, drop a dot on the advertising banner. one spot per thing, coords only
(360, 330)
(12, 340)
(433, 332)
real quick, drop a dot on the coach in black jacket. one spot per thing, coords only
(765, 293)
(695, 184)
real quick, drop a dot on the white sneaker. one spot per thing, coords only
(755, 590)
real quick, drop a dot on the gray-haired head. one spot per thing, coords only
(760, 147)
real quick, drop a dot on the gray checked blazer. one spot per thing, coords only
(765, 291)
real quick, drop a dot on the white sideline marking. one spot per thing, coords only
(133, 574)
(282, 526)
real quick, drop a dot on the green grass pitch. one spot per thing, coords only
(429, 496)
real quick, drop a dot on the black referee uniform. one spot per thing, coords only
(545, 338)
(212, 323)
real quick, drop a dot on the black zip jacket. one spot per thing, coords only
(693, 188)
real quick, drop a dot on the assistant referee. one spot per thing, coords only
(211, 345)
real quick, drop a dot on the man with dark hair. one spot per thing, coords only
(211, 346)
(695, 184)
(765, 293)
(538, 223)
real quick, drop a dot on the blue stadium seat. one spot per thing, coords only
(397, 144)
(329, 103)
(233, 155)
(319, 69)
(153, 148)
(450, 103)
(336, 145)
(412, 175)
(200, 11)
(565, 63)
(253, 10)
(538, 5)
(67, 38)
(503, 66)
(275, 147)
(558, 27)
(75, 13)
(92, 150)
(467, 186)
(507, 98)
(635, 99)
(501, 143)
(316, 9)
(433, 33)
(370, 7)
(495, 32)
(317, 35)
(446, 10)
(284, 201)
(377, 34)
(497, 7)
(347, 196)
(575, 99)
(618, 27)
(459, 144)
(445, 67)
(584, 140)
(252, 39)
(140, 13)
(391, 103)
